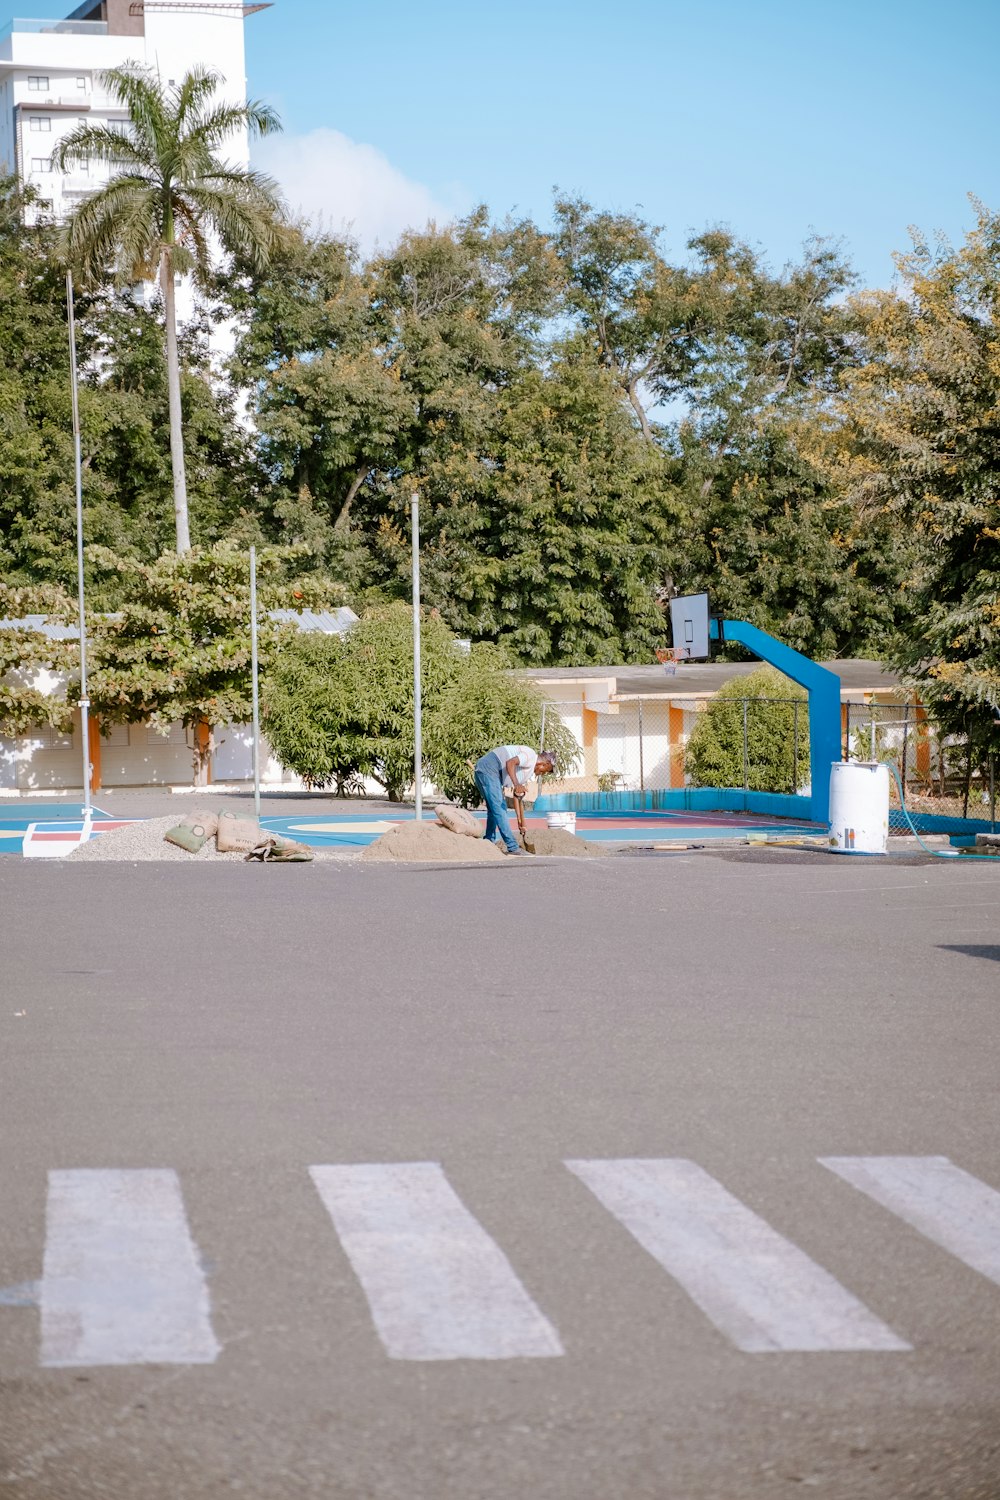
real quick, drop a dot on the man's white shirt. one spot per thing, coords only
(525, 757)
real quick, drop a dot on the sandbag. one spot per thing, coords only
(459, 820)
(192, 832)
(237, 835)
(273, 849)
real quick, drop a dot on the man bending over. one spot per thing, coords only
(508, 765)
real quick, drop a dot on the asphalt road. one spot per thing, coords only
(748, 1013)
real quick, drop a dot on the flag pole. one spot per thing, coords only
(418, 749)
(253, 668)
(78, 465)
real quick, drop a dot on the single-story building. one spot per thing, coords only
(47, 759)
(633, 722)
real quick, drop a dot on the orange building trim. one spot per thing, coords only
(94, 753)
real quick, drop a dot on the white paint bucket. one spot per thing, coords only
(565, 820)
(859, 807)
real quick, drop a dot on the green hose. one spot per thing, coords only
(937, 853)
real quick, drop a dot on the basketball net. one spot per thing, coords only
(668, 661)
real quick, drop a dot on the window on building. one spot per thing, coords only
(40, 124)
(51, 739)
(81, 82)
(38, 84)
(41, 164)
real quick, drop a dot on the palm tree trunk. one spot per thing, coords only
(174, 405)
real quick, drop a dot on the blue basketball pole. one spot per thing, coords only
(823, 687)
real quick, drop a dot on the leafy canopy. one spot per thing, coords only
(338, 709)
(923, 450)
(170, 187)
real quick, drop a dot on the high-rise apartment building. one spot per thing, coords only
(51, 77)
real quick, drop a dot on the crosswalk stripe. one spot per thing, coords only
(121, 1282)
(758, 1289)
(437, 1285)
(945, 1203)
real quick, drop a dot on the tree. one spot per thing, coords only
(923, 447)
(338, 710)
(176, 644)
(488, 704)
(124, 419)
(27, 653)
(169, 192)
(715, 751)
(768, 524)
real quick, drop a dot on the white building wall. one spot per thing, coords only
(50, 82)
(138, 755)
(8, 764)
(233, 758)
(175, 42)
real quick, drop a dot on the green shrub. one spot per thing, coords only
(714, 754)
(337, 709)
(486, 705)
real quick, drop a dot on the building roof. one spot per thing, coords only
(858, 676)
(329, 622)
(43, 626)
(326, 621)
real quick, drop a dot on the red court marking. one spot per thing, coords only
(74, 835)
(679, 820)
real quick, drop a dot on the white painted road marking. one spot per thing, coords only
(121, 1283)
(758, 1289)
(945, 1203)
(438, 1286)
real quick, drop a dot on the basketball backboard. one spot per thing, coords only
(689, 626)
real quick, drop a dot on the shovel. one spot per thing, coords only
(521, 826)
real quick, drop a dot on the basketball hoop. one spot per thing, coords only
(668, 661)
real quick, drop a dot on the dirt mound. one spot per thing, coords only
(429, 841)
(561, 842)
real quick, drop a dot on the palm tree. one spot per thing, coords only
(169, 195)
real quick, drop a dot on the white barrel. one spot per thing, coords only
(565, 820)
(859, 807)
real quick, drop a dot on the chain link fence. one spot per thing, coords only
(938, 772)
(762, 745)
(642, 744)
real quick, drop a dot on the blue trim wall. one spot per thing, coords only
(939, 823)
(734, 799)
(682, 799)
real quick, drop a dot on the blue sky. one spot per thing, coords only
(851, 119)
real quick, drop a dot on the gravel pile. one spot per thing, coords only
(144, 842)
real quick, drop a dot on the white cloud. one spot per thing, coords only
(346, 186)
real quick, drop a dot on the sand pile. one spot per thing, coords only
(560, 841)
(430, 842)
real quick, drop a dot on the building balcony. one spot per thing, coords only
(77, 185)
(54, 28)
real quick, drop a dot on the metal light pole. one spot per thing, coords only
(253, 669)
(418, 754)
(78, 463)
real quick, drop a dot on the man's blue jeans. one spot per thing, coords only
(490, 784)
